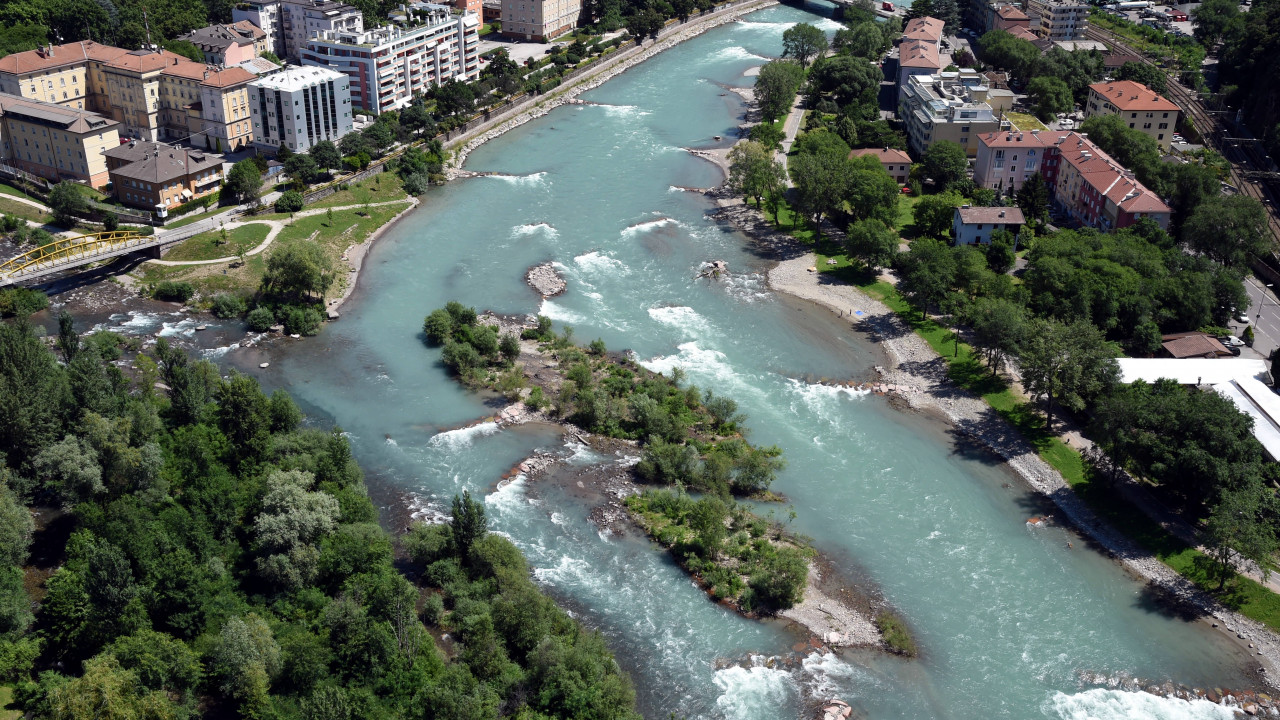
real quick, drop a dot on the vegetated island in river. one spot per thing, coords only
(689, 440)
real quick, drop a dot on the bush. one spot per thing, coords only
(173, 291)
(779, 580)
(300, 320)
(22, 302)
(895, 634)
(438, 327)
(226, 306)
(289, 202)
(111, 221)
(261, 319)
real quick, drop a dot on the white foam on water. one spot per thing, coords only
(646, 226)
(424, 510)
(746, 287)
(509, 496)
(550, 309)
(537, 178)
(623, 110)
(596, 262)
(131, 323)
(683, 318)
(463, 437)
(825, 675)
(755, 692)
(581, 454)
(736, 52)
(568, 571)
(822, 400)
(533, 229)
(1104, 704)
(185, 328)
(558, 519)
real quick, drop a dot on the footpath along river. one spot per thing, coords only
(1009, 620)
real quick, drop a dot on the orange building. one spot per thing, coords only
(158, 177)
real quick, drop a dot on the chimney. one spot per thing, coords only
(1001, 213)
(50, 49)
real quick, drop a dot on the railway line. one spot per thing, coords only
(1245, 157)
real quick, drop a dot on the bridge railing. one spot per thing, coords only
(68, 252)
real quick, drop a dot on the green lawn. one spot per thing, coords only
(91, 193)
(7, 189)
(192, 217)
(210, 245)
(1024, 121)
(6, 697)
(387, 187)
(23, 210)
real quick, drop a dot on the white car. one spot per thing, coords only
(1242, 318)
(1232, 341)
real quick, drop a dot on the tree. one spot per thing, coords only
(290, 201)
(245, 659)
(753, 172)
(302, 167)
(926, 273)
(999, 327)
(1067, 364)
(1211, 18)
(948, 11)
(379, 135)
(108, 691)
(643, 24)
(863, 40)
(851, 80)
(1005, 51)
(298, 270)
(945, 162)
(67, 202)
(185, 49)
(1033, 198)
(804, 42)
(469, 524)
(1149, 75)
(776, 88)
(1051, 96)
(70, 471)
(16, 529)
(1241, 529)
(326, 155)
(872, 242)
(935, 214)
(820, 183)
(1228, 230)
(243, 181)
(417, 120)
(870, 192)
(353, 144)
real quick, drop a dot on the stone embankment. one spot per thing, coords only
(557, 98)
(544, 279)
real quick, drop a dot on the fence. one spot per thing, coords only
(40, 188)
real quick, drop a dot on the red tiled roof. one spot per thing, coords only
(143, 61)
(1187, 345)
(992, 215)
(61, 55)
(887, 156)
(1022, 33)
(1009, 12)
(924, 28)
(919, 54)
(1108, 177)
(1129, 95)
(1022, 138)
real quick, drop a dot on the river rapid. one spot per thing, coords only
(1008, 618)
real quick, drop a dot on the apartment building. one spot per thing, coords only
(300, 20)
(953, 106)
(159, 177)
(387, 66)
(299, 107)
(1007, 17)
(229, 44)
(264, 14)
(974, 225)
(894, 161)
(1006, 159)
(69, 74)
(206, 105)
(1138, 105)
(539, 20)
(1058, 20)
(928, 29)
(920, 49)
(1099, 192)
(54, 141)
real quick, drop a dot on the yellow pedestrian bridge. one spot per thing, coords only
(66, 253)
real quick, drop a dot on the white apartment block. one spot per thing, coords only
(300, 20)
(300, 106)
(388, 66)
(539, 20)
(953, 106)
(1059, 20)
(266, 15)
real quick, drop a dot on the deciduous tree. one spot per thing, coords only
(1068, 365)
(804, 42)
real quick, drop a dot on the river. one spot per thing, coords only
(1008, 618)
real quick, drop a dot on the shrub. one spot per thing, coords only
(289, 202)
(22, 302)
(417, 183)
(173, 291)
(597, 347)
(779, 580)
(261, 319)
(226, 305)
(536, 400)
(895, 634)
(460, 356)
(300, 320)
(438, 327)
(111, 221)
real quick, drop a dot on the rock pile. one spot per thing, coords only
(546, 280)
(713, 269)
(835, 709)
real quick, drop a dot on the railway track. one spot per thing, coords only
(1243, 157)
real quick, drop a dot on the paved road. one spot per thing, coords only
(1264, 313)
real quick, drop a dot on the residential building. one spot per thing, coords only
(1001, 16)
(1095, 190)
(259, 66)
(229, 44)
(1023, 34)
(301, 19)
(299, 107)
(1139, 106)
(894, 161)
(539, 20)
(387, 66)
(475, 7)
(1193, 345)
(953, 106)
(928, 29)
(266, 15)
(1059, 19)
(220, 119)
(917, 57)
(54, 141)
(491, 10)
(1007, 158)
(972, 225)
(67, 74)
(159, 177)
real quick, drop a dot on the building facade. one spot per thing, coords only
(388, 66)
(539, 20)
(949, 106)
(265, 14)
(1140, 107)
(1096, 191)
(1006, 159)
(972, 225)
(300, 106)
(229, 44)
(55, 142)
(159, 177)
(69, 74)
(301, 19)
(1057, 20)
(894, 161)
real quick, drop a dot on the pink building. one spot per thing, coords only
(1006, 159)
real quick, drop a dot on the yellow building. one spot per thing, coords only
(213, 105)
(62, 74)
(56, 142)
(1138, 106)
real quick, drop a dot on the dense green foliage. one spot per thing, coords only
(776, 88)
(473, 350)
(222, 560)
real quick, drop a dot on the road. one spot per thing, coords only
(1264, 313)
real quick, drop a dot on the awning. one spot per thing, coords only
(186, 193)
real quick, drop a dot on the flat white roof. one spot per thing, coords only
(1191, 371)
(297, 77)
(1259, 402)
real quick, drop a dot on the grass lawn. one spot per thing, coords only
(349, 228)
(492, 27)
(90, 193)
(6, 697)
(1025, 121)
(7, 189)
(387, 187)
(209, 245)
(192, 217)
(23, 210)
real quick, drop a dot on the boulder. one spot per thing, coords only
(544, 279)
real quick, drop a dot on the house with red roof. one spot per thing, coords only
(1140, 107)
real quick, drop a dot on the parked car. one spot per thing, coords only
(1231, 341)
(1242, 317)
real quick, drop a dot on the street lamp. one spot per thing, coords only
(1261, 301)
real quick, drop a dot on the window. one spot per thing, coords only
(1161, 136)
(1146, 126)
(1165, 115)
(1130, 124)
(964, 129)
(1133, 115)
(1164, 126)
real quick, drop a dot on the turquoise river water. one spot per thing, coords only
(1008, 618)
